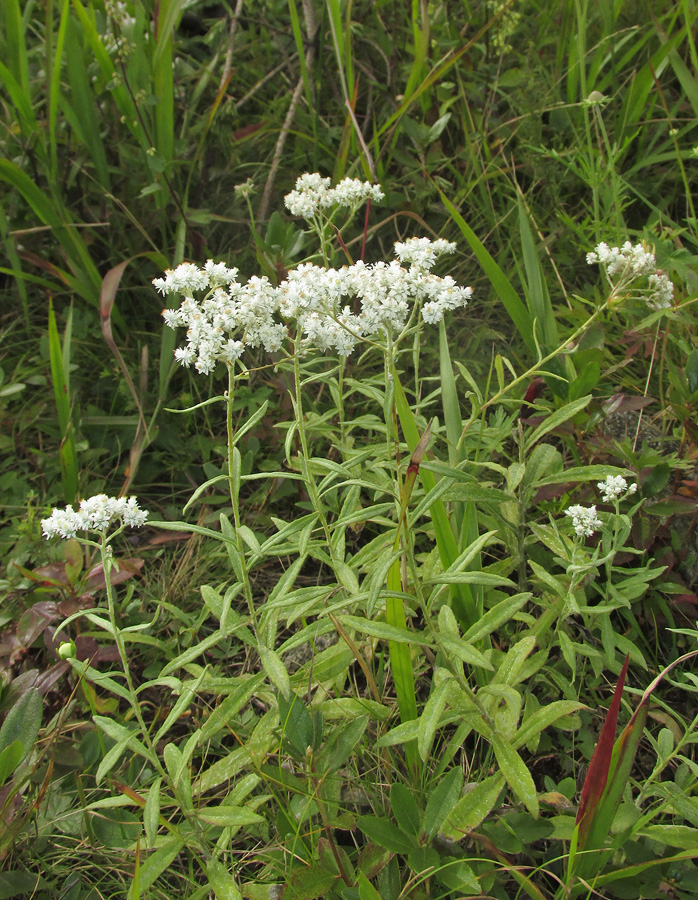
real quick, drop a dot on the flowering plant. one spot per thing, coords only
(396, 586)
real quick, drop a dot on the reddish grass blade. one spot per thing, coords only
(597, 776)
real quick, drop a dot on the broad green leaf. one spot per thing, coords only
(503, 703)
(405, 808)
(222, 881)
(10, 758)
(298, 726)
(516, 773)
(340, 743)
(566, 412)
(499, 614)
(429, 719)
(230, 706)
(477, 803)
(19, 883)
(485, 578)
(222, 771)
(382, 630)
(366, 889)
(464, 651)
(151, 813)
(308, 883)
(110, 759)
(542, 718)
(23, 722)
(384, 833)
(442, 801)
(512, 664)
(228, 816)
(682, 836)
(102, 679)
(186, 697)
(158, 862)
(275, 670)
(401, 734)
(545, 460)
(192, 653)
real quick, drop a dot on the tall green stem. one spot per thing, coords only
(107, 564)
(340, 410)
(234, 488)
(308, 477)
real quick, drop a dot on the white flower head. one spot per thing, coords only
(421, 252)
(624, 265)
(230, 317)
(97, 513)
(584, 520)
(309, 195)
(614, 487)
(662, 291)
(332, 309)
(353, 193)
(185, 279)
(314, 194)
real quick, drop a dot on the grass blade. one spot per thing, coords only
(597, 776)
(499, 281)
(537, 297)
(60, 375)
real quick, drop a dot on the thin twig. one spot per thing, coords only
(310, 29)
(262, 81)
(228, 64)
(279, 149)
(359, 135)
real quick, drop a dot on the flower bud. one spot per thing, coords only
(67, 650)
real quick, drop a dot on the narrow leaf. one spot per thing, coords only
(596, 778)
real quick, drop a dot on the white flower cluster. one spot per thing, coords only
(95, 514)
(422, 253)
(314, 194)
(625, 264)
(614, 487)
(188, 277)
(584, 520)
(316, 299)
(229, 308)
(233, 316)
